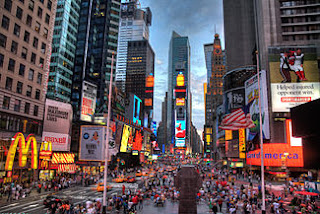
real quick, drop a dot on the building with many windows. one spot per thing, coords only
(134, 26)
(97, 40)
(25, 49)
(63, 50)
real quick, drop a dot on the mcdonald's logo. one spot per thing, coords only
(45, 150)
(24, 145)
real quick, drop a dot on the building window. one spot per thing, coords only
(24, 53)
(17, 105)
(3, 40)
(16, 30)
(11, 65)
(31, 74)
(43, 47)
(26, 37)
(45, 33)
(47, 20)
(6, 102)
(35, 42)
(9, 83)
(49, 4)
(40, 12)
(37, 94)
(22, 69)
(39, 79)
(19, 87)
(41, 62)
(8, 5)
(14, 47)
(37, 27)
(33, 58)
(31, 5)
(35, 110)
(19, 13)
(1, 60)
(29, 91)
(29, 20)
(5, 22)
(27, 108)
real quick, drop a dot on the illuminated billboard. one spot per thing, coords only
(180, 79)
(136, 110)
(294, 76)
(252, 97)
(180, 133)
(288, 154)
(180, 101)
(88, 101)
(148, 102)
(126, 131)
(150, 81)
(57, 125)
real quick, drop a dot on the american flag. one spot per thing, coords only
(237, 120)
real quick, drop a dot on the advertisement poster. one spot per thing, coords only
(88, 102)
(294, 76)
(234, 99)
(180, 133)
(137, 103)
(252, 97)
(125, 138)
(92, 143)
(57, 125)
(113, 149)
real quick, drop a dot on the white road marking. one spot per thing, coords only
(27, 211)
(21, 205)
(10, 205)
(31, 205)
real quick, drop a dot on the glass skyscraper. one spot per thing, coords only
(134, 26)
(63, 50)
(97, 39)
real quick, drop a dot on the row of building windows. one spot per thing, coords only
(18, 106)
(18, 124)
(300, 11)
(301, 37)
(298, 2)
(19, 88)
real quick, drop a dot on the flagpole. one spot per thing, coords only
(263, 208)
(105, 176)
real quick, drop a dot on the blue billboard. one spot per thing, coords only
(136, 110)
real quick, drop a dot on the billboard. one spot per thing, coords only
(180, 133)
(92, 143)
(125, 138)
(180, 101)
(136, 110)
(294, 76)
(288, 154)
(252, 101)
(154, 127)
(180, 79)
(242, 143)
(59, 157)
(88, 101)
(57, 125)
(234, 99)
(113, 148)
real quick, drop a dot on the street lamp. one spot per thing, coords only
(104, 208)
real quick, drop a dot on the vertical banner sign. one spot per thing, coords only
(57, 125)
(125, 138)
(113, 149)
(92, 143)
(242, 143)
(228, 134)
(88, 101)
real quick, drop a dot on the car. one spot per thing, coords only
(138, 174)
(51, 199)
(131, 180)
(100, 187)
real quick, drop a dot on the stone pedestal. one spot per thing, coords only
(188, 182)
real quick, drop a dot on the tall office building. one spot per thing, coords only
(140, 75)
(96, 41)
(134, 26)
(25, 49)
(239, 30)
(208, 50)
(179, 81)
(63, 50)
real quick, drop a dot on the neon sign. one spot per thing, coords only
(24, 145)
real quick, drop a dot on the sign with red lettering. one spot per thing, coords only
(88, 101)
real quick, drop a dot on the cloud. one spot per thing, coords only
(159, 62)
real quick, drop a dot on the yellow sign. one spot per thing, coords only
(180, 80)
(208, 138)
(242, 143)
(23, 151)
(208, 130)
(228, 134)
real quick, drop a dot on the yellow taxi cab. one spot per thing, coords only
(100, 187)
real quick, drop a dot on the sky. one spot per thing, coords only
(196, 19)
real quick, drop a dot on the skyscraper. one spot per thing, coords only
(25, 48)
(63, 50)
(208, 50)
(134, 26)
(140, 74)
(96, 41)
(179, 65)
(239, 30)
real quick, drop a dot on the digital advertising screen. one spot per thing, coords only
(125, 138)
(294, 76)
(180, 133)
(136, 110)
